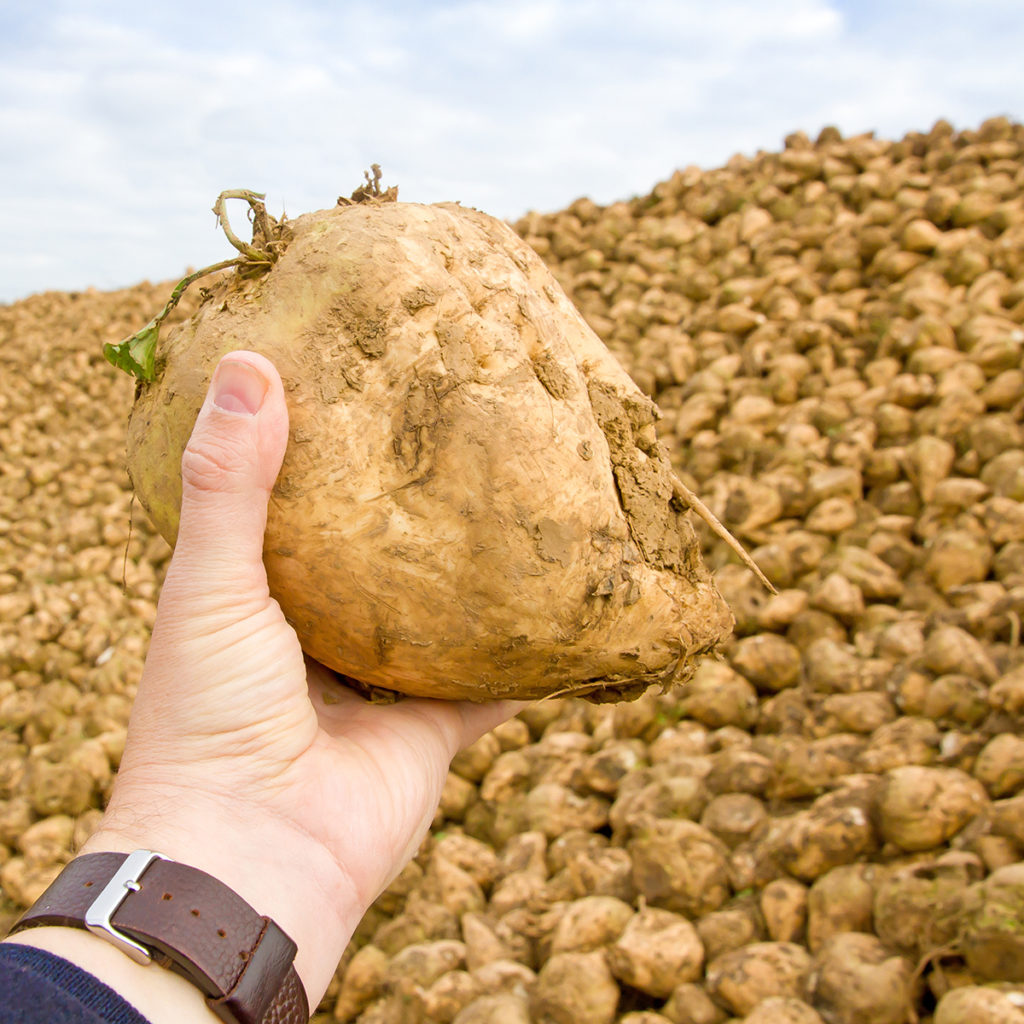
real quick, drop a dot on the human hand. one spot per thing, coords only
(243, 758)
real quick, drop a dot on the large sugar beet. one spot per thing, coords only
(473, 502)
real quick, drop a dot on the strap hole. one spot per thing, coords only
(245, 956)
(168, 896)
(223, 934)
(195, 913)
(88, 885)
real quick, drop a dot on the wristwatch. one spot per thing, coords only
(157, 910)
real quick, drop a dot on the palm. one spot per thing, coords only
(280, 736)
(371, 781)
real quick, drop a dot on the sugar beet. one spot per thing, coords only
(474, 503)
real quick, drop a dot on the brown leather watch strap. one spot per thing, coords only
(186, 921)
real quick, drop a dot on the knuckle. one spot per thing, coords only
(209, 466)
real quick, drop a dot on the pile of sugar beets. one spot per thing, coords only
(821, 822)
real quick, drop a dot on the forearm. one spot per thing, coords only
(280, 875)
(159, 995)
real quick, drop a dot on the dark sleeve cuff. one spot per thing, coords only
(41, 988)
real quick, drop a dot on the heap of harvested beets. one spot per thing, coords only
(826, 825)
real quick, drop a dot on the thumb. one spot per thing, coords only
(227, 472)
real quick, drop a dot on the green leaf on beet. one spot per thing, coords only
(137, 354)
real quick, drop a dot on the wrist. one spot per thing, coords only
(154, 909)
(279, 872)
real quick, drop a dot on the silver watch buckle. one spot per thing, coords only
(113, 894)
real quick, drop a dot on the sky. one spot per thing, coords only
(121, 122)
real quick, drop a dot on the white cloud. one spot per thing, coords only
(518, 21)
(121, 123)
